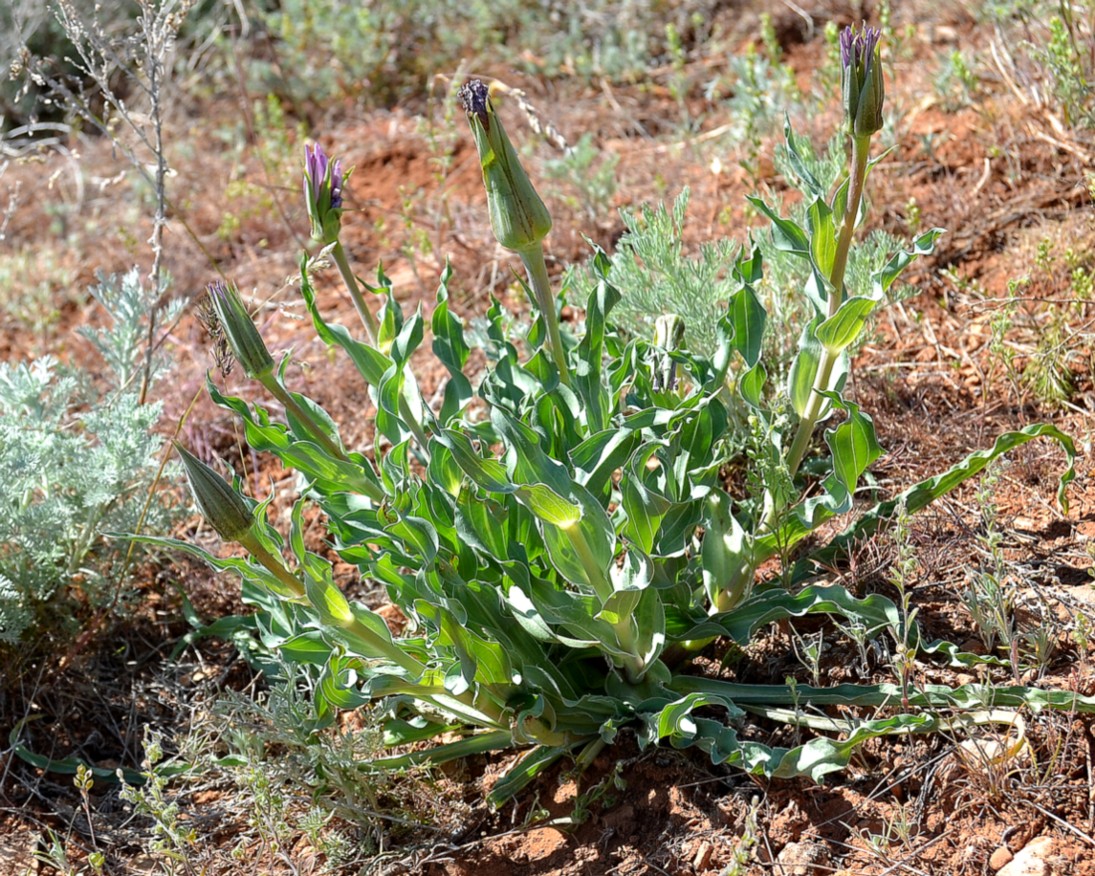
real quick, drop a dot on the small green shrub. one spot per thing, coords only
(657, 277)
(386, 51)
(1053, 38)
(76, 461)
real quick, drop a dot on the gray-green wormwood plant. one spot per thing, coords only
(556, 530)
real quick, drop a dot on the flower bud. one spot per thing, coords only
(239, 330)
(668, 338)
(323, 182)
(517, 215)
(861, 80)
(222, 507)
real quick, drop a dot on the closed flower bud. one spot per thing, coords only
(861, 80)
(222, 507)
(517, 215)
(668, 338)
(323, 182)
(239, 330)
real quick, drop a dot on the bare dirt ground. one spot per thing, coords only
(997, 173)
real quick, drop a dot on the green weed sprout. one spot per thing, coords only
(557, 530)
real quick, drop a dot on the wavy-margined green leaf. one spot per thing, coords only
(571, 618)
(811, 186)
(305, 456)
(307, 648)
(399, 402)
(630, 578)
(484, 524)
(927, 491)
(241, 566)
(526, 770)
(602, 454)
(787, 234)
(873, 612)
(339, 686)
(488, 474)
(419, 532)
(549, 506)
(822, 236)
(451, 349)
(476, 743)
(597, 404)
(726, 554)
(644, 503)
(853, 447)
(691, 443)
(800, 380)
(841, 330)
(390, 318)
(581, 540)
(647, 639)
(853, 443)
(480, 661)
(926, 696)
(751, 385)
(822, 755)
(748, 320)
(883, 279)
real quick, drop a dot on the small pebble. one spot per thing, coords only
(805, 859)
(999, 857)
(1031, 860)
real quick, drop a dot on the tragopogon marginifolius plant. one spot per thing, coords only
(556, 529)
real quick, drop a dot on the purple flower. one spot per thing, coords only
(861, 79)
(323, 182)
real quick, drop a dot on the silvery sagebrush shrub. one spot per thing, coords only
(76, 462)
(556, 530)
(650, 262)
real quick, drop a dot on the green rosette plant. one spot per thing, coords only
(556, 530)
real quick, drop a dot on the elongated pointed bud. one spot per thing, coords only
(239, 330)
(222, 507)
(861, 80)
(517, 215)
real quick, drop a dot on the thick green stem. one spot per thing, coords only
(387, 650)
(293, 407)
(815, 405)
(374, 643)
(273, 564)
(372, 327)
(544, 299)
(414, 425)
(362, 484)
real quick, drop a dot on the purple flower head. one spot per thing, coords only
(861, 79)
(857, 47)
(323, 182)
(475, 96)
